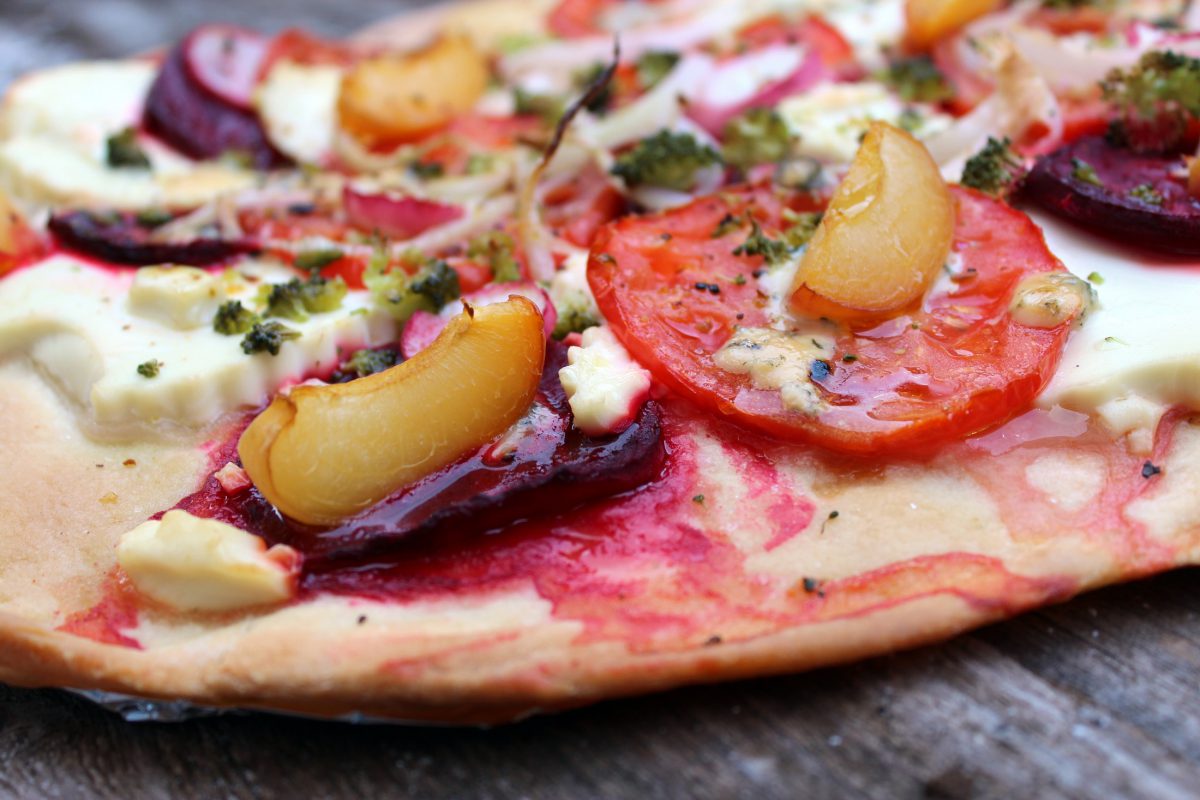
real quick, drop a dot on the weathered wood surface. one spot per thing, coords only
(1096, 698)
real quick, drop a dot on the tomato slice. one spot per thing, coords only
(956, 366)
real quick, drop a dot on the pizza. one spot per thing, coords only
(505, 357)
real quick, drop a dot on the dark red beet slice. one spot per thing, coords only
(1141, 198)
(200, 123)
(226, 60)
(122, 239)
(552, 470)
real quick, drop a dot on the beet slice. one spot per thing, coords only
(226, 61)
(1141, 198)
(122, 239)
(550, 471)
(199, 122)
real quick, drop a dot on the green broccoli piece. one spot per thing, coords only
(773, 251)
(759, 136)
(654, 65)
(1147, 194)
(1085, 172)
(122, 151)
(153, 217)
(585, 78)
(573, 318)
(802, 226)
(917, 80)
(366, 362)
(666, 159)
(495, 248)
(994, 170)
(149, 369)
(1154, 101)
(478, 163)
(233, 318)
(427, 170)
(433, 286)
(316, 260)
(268, 337)
(296, 299)
(532, 104)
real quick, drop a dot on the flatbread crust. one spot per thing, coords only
(766, 577)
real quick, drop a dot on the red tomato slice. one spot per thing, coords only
(954, 367)
(577, 210)
(834, 51)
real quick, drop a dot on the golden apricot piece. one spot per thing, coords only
(395, 98)
(931, 20)
(322, 453)
(885, 235)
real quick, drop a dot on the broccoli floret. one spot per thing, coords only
(432, 287)
(585, 78)
(233, 318)
(1154, 101)
(1146, 194)
(655, 65)
(427, 170)
(267, 336)
(917, 80)
(532, 104)
(296, 299)
(802, 226)
(364, 363)
(316, 260)
(573, 319)
(123, 151)
(1084, 172)
(666, 159)
(153, 217)
(994, 170)
(495, 249)
(149, 369)
(773, 251)
(759, 136)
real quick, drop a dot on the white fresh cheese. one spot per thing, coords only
(740, 79)
(179, 297)
(570, 291)
(81, 326)
(298, 106)
(1136, 354)
(870, 26)
(605, 387)
(778, 360)
(832, 118)
(81, 104)
(195, 564)
(54, 126)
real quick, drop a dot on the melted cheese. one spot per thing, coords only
(780, 360)
(1135, 354)
(298, 107)
(605, 387)
(55, 124)
(832, 118)
(195, 564)
(83, 329)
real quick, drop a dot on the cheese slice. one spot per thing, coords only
(1137, 352)
(85, 330)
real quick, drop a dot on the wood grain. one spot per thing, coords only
(1095, 698)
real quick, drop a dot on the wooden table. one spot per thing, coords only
(1096, 698)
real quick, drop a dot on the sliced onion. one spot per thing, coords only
(657, 109)
(719, 100)
(1021, 101)
(679, 36)
(482, 217)
(656, 198)
(396, 216)
(423, 327)
(226, 61)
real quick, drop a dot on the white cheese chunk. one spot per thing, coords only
(605, 387)
(872, 27)
(298, 106)
(81, 104)
(778, 360)
(570, 291)
(832, 118)
(180, 297)
(195, 564)
(77, 324)
(1136, 353)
